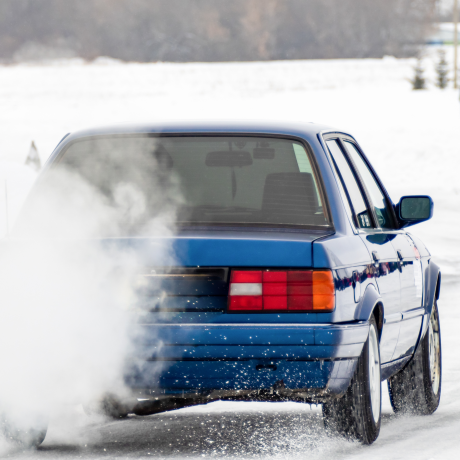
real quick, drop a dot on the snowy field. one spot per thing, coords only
(411, 137)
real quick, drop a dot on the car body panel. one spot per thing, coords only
(187, 341)
(213, 249)
(185, 377)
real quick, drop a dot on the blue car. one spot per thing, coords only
(290, 274)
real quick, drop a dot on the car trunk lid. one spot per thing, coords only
(195, 274)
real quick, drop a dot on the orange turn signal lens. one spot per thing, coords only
(323, 291)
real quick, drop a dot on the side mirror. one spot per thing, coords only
(412, 210)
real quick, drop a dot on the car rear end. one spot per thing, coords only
(238, 308)
(237, 331)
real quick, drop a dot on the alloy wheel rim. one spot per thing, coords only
(434, 351)
(374, 373)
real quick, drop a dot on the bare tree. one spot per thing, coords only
(215, 30)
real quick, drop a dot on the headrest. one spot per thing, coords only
(163, 158)
(291, 196)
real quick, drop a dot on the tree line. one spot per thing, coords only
(214, 30)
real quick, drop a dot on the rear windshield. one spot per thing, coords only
(207, 180)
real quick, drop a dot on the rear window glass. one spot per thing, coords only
(209, 180)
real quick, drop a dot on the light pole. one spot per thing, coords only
(455, 43)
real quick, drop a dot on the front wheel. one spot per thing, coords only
(416, 389)
(357, 414)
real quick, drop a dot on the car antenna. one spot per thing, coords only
(6, 210)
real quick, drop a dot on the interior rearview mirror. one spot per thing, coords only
(414, 209)
(230, 158)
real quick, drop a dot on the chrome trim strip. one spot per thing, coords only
(394, 318)
(413, 313)
(252, 325)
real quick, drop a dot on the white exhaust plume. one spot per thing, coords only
(67, 289)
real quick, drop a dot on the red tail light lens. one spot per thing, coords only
(281, 290)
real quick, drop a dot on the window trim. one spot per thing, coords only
(345, 189)
(341, 137)
(359, 181)
(54, 161)
(361, 184)
(388, 201)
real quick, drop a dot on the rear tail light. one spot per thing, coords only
(281, 290)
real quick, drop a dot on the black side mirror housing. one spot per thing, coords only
(414, 209)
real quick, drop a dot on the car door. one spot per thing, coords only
(409, 264)
(411, 294)
(384, 264)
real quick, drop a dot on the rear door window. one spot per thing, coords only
(377, 196)
(350, 186)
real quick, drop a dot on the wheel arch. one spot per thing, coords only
(378, 313)
(371, 303)
(432, 293)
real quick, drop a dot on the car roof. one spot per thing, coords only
(303, 129)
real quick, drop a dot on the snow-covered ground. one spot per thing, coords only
(412, 138)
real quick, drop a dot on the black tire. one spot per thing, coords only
(113, 407)
(109, 406)
(28, 431)
(416, 389)
(357, 414)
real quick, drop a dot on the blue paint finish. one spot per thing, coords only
(350, 290)
(228, 335)
(338, 251)
(368, 301)
(341, 335)
(422, 249)
(236, 352)
(193, 317)
(243, 252)
(177, 376)
(190, 342)
(242, 334)
(214, 249)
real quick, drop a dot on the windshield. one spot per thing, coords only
(207, 180)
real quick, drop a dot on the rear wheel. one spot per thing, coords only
(25, 429)
(110, 406)
(357, 414)
(416, 389)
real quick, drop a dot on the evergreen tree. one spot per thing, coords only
(442, 70)
(419, 80)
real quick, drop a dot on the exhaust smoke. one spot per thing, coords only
(67, 279)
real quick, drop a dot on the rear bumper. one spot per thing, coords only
(317, 358)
